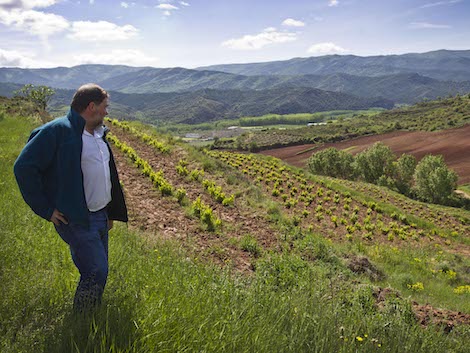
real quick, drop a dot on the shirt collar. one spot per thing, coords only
(98, 132)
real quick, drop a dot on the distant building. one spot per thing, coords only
(315, 124)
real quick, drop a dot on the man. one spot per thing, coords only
(67, 175)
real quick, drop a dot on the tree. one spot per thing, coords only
(332, 162)
(41, 95)
(434, 181)
(374, 162)
(405, 167)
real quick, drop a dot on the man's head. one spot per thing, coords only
(86, 94)
(91, 102)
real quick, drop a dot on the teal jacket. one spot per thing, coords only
(49, 174)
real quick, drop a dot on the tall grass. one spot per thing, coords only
(160, 300)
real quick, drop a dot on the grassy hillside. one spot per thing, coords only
(289, 285)
(434, 115)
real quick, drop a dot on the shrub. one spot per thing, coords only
(434, 181)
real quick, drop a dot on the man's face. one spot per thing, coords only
(99, 111)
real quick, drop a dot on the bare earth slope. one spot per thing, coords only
(453, 144)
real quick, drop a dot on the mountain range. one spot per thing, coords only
(291, 86)
(446, 65)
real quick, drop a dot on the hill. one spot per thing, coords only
(64, 77)
(212, 105)
(426, 116)
(333, 268)
(452, 144)
(401, 88)
(447, 65)
(407, 78)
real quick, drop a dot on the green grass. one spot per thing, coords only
(465, 188)
(159, 299)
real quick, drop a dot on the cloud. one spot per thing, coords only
(124, 4)
(333, 3)
(101, 31)
(184, 3)
(293, 23)
(92, 2)
(168, 7)
(129, 57)
(34, 22)
(326, 48)
(426, 25)
(253, 42)
(12, 58)
(439, 3)
(25, 4)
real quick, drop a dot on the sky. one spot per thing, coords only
(194, 33)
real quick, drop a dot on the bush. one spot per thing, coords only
(375, 162)
(434, 181)
(332, 162)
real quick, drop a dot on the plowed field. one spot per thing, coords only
(453, 144)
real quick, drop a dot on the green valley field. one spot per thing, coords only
(236, 252)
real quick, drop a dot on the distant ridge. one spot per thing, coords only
(299, 85)
(453, 65)
(408, 87)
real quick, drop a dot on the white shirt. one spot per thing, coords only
(95, 169)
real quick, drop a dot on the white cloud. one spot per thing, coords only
(124, 4)
(439, 3)
(128, 57)
(326, 48)
(34, 22)
(92, 2)
(101, 31)
(26, 4)
(427, 25)
(168, 7)
(184, 3)
(12, 58)
(293, 23)
(333, 3)
(267, 37)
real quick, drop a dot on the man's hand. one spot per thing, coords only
(58, 217)
(110, 224)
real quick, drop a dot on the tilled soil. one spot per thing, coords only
(426, 315)
(164, 217)
(453, 144)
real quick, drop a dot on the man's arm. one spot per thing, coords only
(33, 160)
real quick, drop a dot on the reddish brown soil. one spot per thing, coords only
(426, 315)
(453, 144)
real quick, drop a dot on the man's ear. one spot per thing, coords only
(90, 107)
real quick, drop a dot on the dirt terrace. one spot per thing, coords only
(163, 216)
(453, 144)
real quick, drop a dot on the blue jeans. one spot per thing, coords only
(89, 249)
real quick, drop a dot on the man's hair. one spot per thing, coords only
(90, 92)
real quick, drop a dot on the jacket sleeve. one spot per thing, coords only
(33, 161)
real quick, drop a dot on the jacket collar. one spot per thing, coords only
(76, 120)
